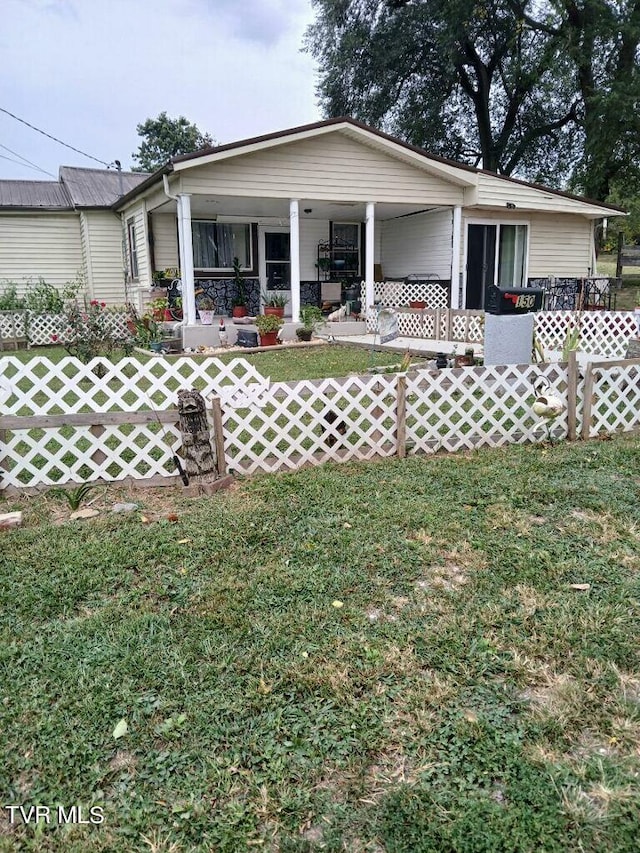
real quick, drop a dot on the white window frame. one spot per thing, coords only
(219, 222)
(134, 270)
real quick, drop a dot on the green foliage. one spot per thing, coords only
(74, 497)
(240, 298)
(164, 138)
(43, 298)
(268, 323)
(310, 316)
(274, 300)
(9, 299)
(89, 331)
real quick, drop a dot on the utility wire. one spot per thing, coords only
(20, 163)
(55, 139)
(27, 162)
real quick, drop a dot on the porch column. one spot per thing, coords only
(369, 254)
(456, 244)
(186, 258)
(294, 255)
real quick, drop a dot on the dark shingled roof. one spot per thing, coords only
(98, 187)
(47, 195)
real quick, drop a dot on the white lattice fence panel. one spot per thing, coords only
(311, 422)
(43, 327)
(467, 326)
(616, 399)
(469, 407)
(604, 333)
(13, 324)
(43, 387)
(32, 458)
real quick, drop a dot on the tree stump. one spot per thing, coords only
(198, 454)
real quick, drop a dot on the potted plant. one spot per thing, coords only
(324, 265)
(157, 307)
(239, 302)
(310, 316)
(206, 309)
(274, 303)
(268, 327)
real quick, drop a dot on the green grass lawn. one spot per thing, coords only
(430, 654)
(285, 364)
(628, 297)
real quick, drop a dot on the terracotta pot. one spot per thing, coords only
(168, 316)
(417, 303)
(268, 339)
(239, 311)
(271, 309)
(158, 314)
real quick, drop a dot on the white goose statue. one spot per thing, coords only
(545, 405)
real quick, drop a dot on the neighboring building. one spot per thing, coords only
(334, 200)
(59, 230)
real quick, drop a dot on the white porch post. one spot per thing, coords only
(456, 244)
(369, 254)
(186, 259)
(294, 243)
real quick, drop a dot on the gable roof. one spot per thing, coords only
(45, 195)
(459, 173)
(98, 187)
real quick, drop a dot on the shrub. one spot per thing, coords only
(9, 299)
(43, 298)
(89, 331)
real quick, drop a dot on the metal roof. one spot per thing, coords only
(34, 194)
(98, 187)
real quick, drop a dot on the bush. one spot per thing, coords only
(89, 331)
(43, 298)
(9, 299)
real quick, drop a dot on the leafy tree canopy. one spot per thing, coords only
(164, 138)
(545, 90)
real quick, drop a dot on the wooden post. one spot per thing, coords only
(401, 416)
(437, 323)
(588, 401)
(619, 257)
(196, 440)
(218, 436)
(572, 395)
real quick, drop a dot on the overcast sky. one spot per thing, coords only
(88, 71)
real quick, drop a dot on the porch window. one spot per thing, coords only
(132, 248)
(216, 244)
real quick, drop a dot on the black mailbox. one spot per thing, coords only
(513, 300)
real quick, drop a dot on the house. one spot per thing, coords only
(66, 229)
(302, 210)
(340, 200)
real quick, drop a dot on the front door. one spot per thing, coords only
(275, 261)
(481, 259)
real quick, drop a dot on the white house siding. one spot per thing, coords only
(34, 245)
(332, 168)
(418, 244)
(494, 190)
(559, 244)
(102, 247)
(165, 240)
(312, 232)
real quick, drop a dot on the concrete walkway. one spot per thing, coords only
(416, 346)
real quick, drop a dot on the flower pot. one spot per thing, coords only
(276, 312)
(239, 311)
(156, 346)
(206, 317)
(158, 314)
(418, 303)
(304, 334)
(168, 315)
(268, 339)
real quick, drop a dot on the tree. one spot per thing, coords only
(165, 138)
(517, 86)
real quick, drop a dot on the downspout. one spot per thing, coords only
(185, 306)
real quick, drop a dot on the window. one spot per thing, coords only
(133, 250)
(216, 244)
(512, 254)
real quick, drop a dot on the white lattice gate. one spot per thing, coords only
(611, 397)
(310, 422)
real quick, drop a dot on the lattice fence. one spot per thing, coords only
(604, 333)
(612, 398)
(38, 329)
(467, 408)
(310, 422)
(441, 324)
(398, 294)
(70, 422)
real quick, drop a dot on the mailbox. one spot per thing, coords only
(513, 300)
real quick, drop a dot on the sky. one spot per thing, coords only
(89, 71)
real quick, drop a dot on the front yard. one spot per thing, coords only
(430, 654)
